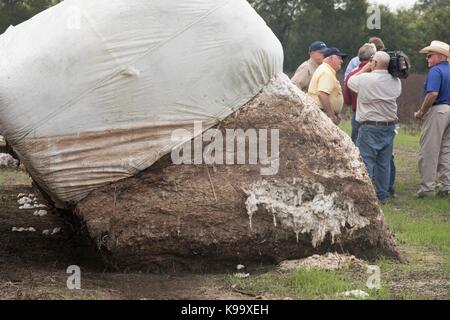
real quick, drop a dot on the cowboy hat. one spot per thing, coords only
(439, 47)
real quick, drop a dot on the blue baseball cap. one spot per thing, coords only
(317, 46)
(334, 51)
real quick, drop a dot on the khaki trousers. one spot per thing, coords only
(434, 154)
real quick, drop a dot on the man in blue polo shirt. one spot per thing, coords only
(434, 154)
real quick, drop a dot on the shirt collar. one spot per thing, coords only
(312, 62)
(380, 71)
(445, 63)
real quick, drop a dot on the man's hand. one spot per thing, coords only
(428, 102)
(419, 115)
(366, 68)
(334, 117)
(338, 117)
(326, 105)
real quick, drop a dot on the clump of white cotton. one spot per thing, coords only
(40, 213)
(318, 216)
(7, 161)
(30, 201)
(22, 229)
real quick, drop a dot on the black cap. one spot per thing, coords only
(334, 51)
(317, 46)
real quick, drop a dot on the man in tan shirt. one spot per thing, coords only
(325, 89)
(304, 73)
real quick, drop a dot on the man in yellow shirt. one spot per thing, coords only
(325, 89)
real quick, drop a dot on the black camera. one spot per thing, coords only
(400, 64)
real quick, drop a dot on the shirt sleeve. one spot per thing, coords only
(352, 65)
(354, 83)
(434, 81)
(347, 94)
(400, 86)
(301, 77)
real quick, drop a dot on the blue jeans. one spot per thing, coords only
(355, 128)
(376, 144)
(393, 176)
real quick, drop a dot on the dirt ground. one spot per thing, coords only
(33, 265)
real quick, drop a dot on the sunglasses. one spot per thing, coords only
(430, 55)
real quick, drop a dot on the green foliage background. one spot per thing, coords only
(13, 12)
(297, 23)
(343, 24)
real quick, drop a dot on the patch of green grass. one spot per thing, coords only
(407, 140)
(316, 283)
(419, 261)
(346, 127)
(299, 284)
(308, 284)
(424, 232)
(13, 177)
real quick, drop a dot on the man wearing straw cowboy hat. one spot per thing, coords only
(434, 154)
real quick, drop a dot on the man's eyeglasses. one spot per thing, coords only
(430, 56)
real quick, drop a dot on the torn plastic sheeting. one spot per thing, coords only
(90, 91)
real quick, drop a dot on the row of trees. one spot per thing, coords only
(297, 23)
(343, 24)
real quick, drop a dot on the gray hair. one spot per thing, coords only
(367, 51)
(327, 59)
(443, 57)
(383, 59)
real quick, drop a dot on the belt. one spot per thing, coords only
(379, 123)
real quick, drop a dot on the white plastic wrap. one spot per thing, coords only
(90, 91)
